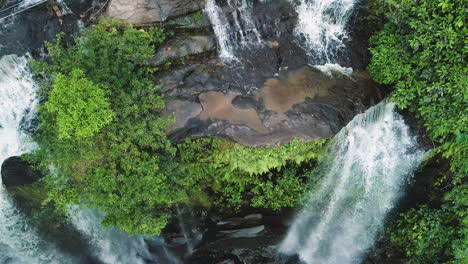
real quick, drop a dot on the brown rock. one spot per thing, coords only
(218, 106)
(150, 11)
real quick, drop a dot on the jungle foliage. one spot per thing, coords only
(422, 52)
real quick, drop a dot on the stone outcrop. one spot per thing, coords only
(150, 11)
(28, 31)
(18, 172)
(248, 239)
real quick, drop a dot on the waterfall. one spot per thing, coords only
(322, 27)
(112, 246)
(19, 242)
(237, 33)
(368, 163)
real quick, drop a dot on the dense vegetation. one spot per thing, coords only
(102, 131)
(422, 52)
(274, 177)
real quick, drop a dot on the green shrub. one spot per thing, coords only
(425, 235)
(81, 108)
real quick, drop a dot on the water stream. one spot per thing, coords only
(322, 27)
(19, 242)
(112, 246)
(368, 164)
(233, 31)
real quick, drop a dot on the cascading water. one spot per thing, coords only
(112, 246)
(19, 242)
(242, 32)
(368, 163)
(322, 27)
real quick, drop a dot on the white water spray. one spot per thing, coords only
(368, 164)
(19, 242)
(333, 69)
(322, 26)
(241, 33)
(112, 246)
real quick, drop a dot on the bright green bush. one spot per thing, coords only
(425, 235)
(81, 108)
(422, 53)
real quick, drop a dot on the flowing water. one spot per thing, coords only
(368, 164)
(112, 246)
(19, 242)
(322, 27)
(233, 31)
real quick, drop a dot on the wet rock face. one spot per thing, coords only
(245, 239)
(271, 94)
(27, 31)
(305, 103)
(150, 11)
(18, 172)
(182, 47)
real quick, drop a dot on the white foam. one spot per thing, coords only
(321, 28)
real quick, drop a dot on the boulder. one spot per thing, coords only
(18, 172)
(150, 11)
(193, 21)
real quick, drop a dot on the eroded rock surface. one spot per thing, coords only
(27, 31)
(150, 11)
(305, 103)
(271, 94)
